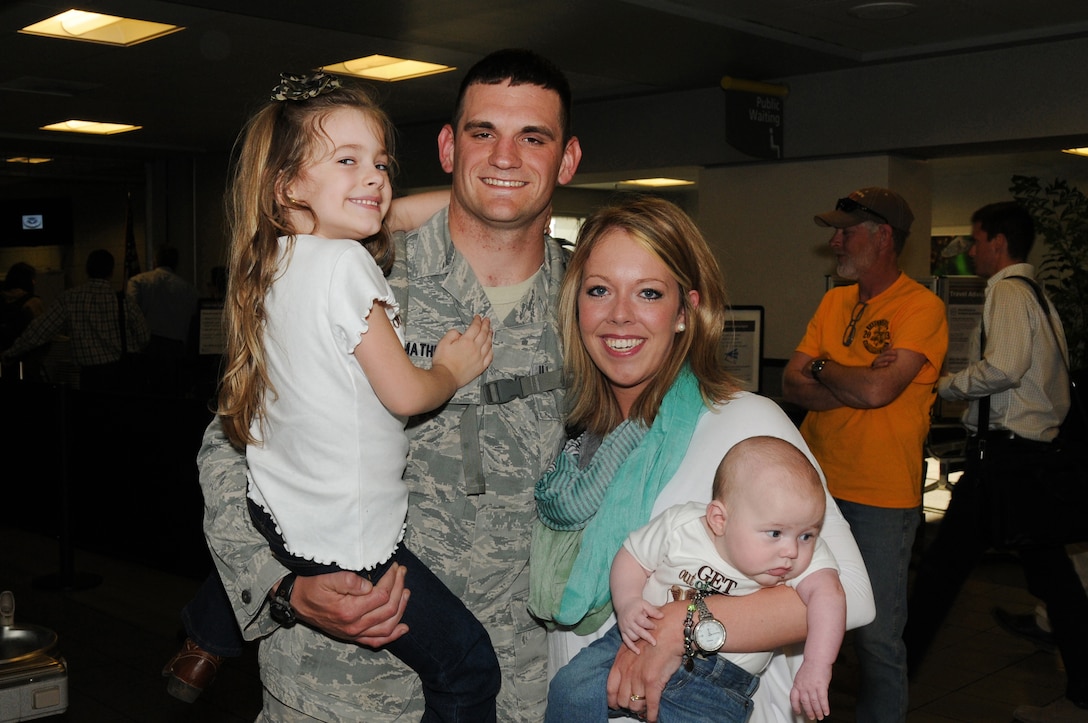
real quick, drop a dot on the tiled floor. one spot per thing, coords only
(975, 671)
(117, 635)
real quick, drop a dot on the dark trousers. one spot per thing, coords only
(445, 644)
(168, 367)
(209, 619)
(111, 378)
(960, 543)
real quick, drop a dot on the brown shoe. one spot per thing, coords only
(1024, 626)
(191, 670)
(1062, 710)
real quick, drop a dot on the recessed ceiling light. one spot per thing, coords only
(1076, 151)
(882, 10)
(98, 28)
(658, 182)
(27, 159)
(386, 68)
(92, 127)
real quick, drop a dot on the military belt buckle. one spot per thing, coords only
(501, 391)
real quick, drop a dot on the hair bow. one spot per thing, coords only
(304, 87)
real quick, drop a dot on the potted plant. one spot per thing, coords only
(1061, 219)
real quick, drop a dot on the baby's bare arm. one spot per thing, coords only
(823, 595)
(634, 615)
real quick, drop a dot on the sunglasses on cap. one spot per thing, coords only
(849, 205)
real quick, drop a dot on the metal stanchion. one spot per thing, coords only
(67, 578)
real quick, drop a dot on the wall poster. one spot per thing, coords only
(742, 346)
(213, 336)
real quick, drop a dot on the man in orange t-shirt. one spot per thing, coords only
(866, 370)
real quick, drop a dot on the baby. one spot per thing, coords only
(760, 530)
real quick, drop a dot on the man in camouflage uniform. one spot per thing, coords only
(472, 464)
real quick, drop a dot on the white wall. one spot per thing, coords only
(758, 220)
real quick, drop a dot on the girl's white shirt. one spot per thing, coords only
(330, 468)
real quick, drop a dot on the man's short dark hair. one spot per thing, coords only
(21, 275)
(167, 256)
(100, 264)
(1011, 219)
(518, 67)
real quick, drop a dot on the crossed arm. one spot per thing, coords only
(859, 387)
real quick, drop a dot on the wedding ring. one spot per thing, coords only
(635, 698)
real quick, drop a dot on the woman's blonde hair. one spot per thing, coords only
(666, 232)
(669, 234)
(274, 148)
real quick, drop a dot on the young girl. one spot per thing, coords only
(317, 385)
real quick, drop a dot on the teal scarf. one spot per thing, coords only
(571, 492)
(627, 479)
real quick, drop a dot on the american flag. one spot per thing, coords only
(132, 260)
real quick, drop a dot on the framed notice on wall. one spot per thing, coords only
(742, 346)
(213, 337)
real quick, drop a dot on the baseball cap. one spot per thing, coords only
(869, 204)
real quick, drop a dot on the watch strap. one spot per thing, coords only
(280, 603)
(704, 610)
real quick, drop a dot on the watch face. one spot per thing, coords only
(710, 635)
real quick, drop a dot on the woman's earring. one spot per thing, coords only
(681, 327)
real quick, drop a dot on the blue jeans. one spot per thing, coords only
(445, 644)
(885, 537)
(716, 688)
(209, 619)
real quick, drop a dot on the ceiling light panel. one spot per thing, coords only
(386, 68)
(91, 127)
(659, 182)
(98, 28)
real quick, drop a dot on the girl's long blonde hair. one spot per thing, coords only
(275, 146)
(670, 235)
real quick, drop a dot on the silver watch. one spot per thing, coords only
(709, 633)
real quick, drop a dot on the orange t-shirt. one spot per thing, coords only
(874, 456)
